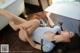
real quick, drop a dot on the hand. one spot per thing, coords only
(67, 34)
(60, 38)
(63, 37)
(49, 36)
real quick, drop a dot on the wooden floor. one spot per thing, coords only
(8, 36)
(11, 37)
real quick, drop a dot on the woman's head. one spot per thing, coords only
(67, 34)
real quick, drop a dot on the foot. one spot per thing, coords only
(22, 35)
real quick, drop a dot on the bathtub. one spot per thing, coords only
(14, 6)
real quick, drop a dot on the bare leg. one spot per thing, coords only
(34, 25)
(29, 26)
(25, 32)
(24, 36)
(23, 25)
(12, 19)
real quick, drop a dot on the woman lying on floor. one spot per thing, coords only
(29, 31)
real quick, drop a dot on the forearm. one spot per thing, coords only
(5, 13)
(14, 27)
(51, 23)
(10, 15)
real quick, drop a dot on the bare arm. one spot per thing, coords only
(51, 23)
(10, 15)
(33, 44)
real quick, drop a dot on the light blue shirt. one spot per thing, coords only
(38, 33)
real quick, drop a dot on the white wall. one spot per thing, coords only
(64, 1)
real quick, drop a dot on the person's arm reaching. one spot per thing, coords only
(51, 23)
(11, 17)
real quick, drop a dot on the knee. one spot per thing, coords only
(36, 22)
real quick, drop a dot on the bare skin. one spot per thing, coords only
(64, 36)
(27, 27)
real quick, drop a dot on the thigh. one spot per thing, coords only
(31, 25)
